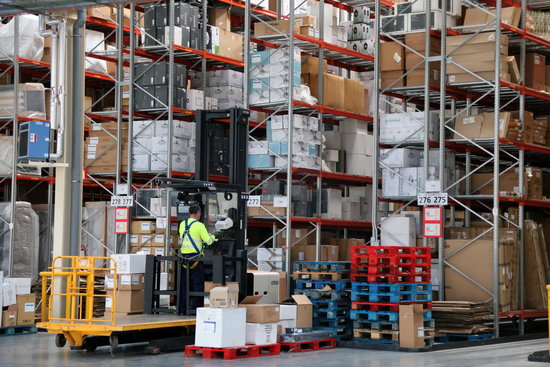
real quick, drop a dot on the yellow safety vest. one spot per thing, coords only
(194, 237)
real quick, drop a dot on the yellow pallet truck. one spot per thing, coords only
(68, 296)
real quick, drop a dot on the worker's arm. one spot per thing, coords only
(206, 238)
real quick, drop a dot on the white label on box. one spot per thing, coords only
(159, 238)
(96, 127)
(108, 302)
(537, 60)
(159, 252)
(145, 226)
(421, 332)
(29, 307)
(94, 140)
(452, 78)
(125, 280)
(396, 57)
(209, 326)
(280, 201)
(146, 251)
(254, 201)
(161, 223)
(133, 239)
(92, 148)
(90, 155)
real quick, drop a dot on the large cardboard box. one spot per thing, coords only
(126, 301)
(260, 313)
(9, 316)
(25, 309)
(282, 26)
(411, 326)
(261, 334)
(547, 75)
(392, 56)
(329, 253)
(392, 79)
(535, 71)
(298, 236)
(101, 12)
(332, 89)
(231, 45)
(310, 65)
(220, 327)
(344, 246)
(296, 312)
(210, 285)
(354, 96)
(469, 78)
(143, 227)
(417, 42)
(225, 296)
(475, 16)
(398, 231)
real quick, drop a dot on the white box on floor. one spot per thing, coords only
(220, 327)
(261, 334)
(398, 231)
(129, 263)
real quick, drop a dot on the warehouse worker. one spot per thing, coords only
(194, 237)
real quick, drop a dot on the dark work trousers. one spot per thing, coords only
(196, 284)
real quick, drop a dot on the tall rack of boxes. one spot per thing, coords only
(467, 128)
(313, 163)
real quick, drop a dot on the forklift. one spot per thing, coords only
(223, 207)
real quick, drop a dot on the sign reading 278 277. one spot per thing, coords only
(438, 199)
(122, 201)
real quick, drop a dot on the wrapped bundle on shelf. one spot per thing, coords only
(31, 43)
(31, 101)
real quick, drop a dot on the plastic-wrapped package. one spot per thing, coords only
(32, 101)
(25, 248)
(94, 228)
(95, 44)
(6, 155)
(304, 335)
(44, 258)
(31, 43)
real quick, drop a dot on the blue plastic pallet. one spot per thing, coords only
(325, 295)
(328, 266)
(391, 298)
(365, 324)
(392, 288)
(329, 303)
(329, 314)
(18, 330)
(320, 284)
(331, 323)
(450, 338)
(339, 333)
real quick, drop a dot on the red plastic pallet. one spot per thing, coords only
(389, 259)
(389, 250)
(308, 346)
(391, 278)
(388, 307)
(392, 269)
(248, 351)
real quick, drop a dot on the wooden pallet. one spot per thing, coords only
(18, 330)
(248, 351)
(308, 346)
(392, 335)
(318, 275)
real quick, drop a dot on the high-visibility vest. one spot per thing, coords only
(194, 236)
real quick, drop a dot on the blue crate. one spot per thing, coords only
(327, 266)
(375, 316)
(391, 293)
(320, 284)
(325, 295)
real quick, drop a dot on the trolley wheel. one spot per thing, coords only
(60, 340)
(90, 347)
(113, 341)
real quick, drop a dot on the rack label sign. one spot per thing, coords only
(433, 221)
(254, 201)
(433, 199)
(122, 201)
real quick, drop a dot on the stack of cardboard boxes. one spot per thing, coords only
(261, 321)
(152, 85)
(392, 65)
(17, 302)
(414, 63)
(100, 149)
(361, 32)
(150, 145)
(129, 285)
(224, 88)
(350, 149)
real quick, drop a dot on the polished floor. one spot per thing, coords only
(39, 350)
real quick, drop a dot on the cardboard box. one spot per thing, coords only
(220, 327)
(513, 69)
(9, 316)
(392, 56)
(282, 26)
(469, 78)
(310, 65)
(143, 227)
(101, 12)
(392, 78)
(411, 326)
(354, 96)
(344, 246)
(231, 45)
(126, 282)
(297, 311)
(22, 285)
(225, 296)
(329, 253)
(210, 285)
(332, 91)
(547, 75)
(261, 334)
(126, 301)
(475, 16)
(129, 263)
(9, 294)
(25, 309)
(265, 209)
(535, 71)
(416, 77)
(220, 17)
(282, 284)
(260, 313)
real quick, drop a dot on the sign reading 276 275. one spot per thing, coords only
(437, 199)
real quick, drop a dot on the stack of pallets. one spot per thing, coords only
(383, 278)
(327, 284)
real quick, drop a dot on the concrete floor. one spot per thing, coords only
(40, 350)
